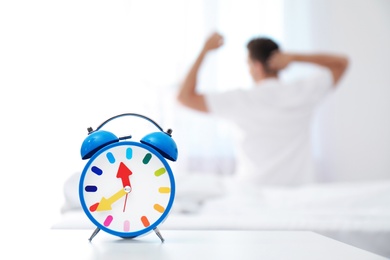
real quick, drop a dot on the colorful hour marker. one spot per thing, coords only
(164, 190)
(126, 226)
(147, 158)
(160, 172)
(110, 157)
(145, 221)
(159, 208)
(94, 207)
(96, 170)
(108, 220)
(129, 153)
(90, 188)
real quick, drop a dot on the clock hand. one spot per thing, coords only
(124, 174)
(124, 205)
(105, 204)
(127, 190)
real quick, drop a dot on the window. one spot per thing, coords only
(130, 56)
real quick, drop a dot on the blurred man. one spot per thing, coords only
(274, 115)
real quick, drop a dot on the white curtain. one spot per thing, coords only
(95, 59)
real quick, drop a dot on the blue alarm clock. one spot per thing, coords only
(127, 188)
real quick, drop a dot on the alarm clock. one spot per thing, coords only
(127, 188)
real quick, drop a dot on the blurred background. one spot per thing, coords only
(69, 65)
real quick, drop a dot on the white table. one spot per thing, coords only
(189, 244)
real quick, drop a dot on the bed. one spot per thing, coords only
(357, 213)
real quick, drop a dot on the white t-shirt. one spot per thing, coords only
(275, 120)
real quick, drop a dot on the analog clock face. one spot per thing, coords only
(127, 189)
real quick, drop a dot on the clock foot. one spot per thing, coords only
(159, 234)
(94, 234)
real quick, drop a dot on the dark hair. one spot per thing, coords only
(260, 49)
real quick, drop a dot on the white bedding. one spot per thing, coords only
(355, 213)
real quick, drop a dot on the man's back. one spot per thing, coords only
(275, 119)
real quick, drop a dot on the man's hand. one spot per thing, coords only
(335, 63)
(279, 61)
(213, 42)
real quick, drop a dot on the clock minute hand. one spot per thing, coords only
(105, 204)
(124, 174)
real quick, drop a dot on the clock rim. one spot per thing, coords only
(153, 225)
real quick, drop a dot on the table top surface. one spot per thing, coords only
(189, 244)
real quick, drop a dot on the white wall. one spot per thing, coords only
(353, 130)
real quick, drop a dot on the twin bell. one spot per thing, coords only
(160, 141)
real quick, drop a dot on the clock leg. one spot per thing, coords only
(94, 234)
(159, 234)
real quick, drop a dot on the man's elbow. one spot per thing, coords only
(344, 62)
(341, 68)
(195, 102)
(182, 99)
